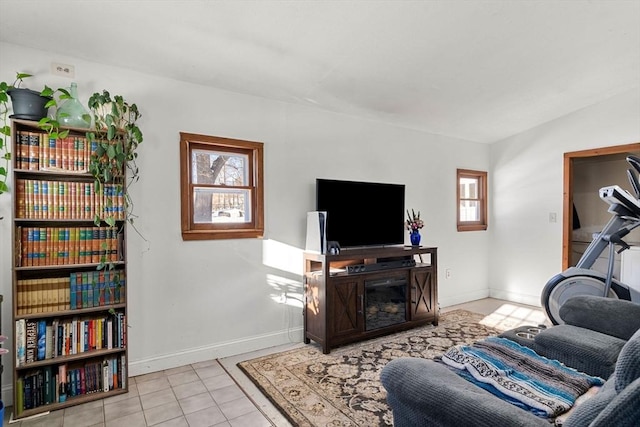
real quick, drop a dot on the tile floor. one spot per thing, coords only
(216, 392)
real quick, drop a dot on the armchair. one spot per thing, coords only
(428, 393)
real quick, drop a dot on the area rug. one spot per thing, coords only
(343, 388)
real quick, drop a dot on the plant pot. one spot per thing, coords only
(28, 104)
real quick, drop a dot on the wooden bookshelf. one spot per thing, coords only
(69, 284)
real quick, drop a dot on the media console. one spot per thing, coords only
(364, 293)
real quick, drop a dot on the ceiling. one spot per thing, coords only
(477, 70)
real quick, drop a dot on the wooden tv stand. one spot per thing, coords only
(364, 293)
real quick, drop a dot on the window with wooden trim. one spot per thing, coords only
(221, 186)
(472, 200)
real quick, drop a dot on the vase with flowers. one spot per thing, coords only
(414, 224)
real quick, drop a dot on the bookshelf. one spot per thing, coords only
(69, 275)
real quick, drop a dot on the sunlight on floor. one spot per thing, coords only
(509, 316)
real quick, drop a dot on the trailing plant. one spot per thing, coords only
(5, 129)
(115, 139)
(5, 133)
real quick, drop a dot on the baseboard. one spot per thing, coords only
(463, 298)
(515, 297)
(214, 351)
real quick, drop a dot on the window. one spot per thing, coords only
(472, 200)
(221, 186)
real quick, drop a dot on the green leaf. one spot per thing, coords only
(47, 91)
(3, 187)
(3, 171)
(5, 130)
(111, 152)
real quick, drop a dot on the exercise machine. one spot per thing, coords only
(582, 279)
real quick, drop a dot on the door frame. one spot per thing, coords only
(567, 208)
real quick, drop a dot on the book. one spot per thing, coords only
(19, 403)
(31, 346)
(21, 342)
(42, 339)
(49, 342)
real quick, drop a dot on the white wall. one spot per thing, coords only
(191, 301)
(527, 185)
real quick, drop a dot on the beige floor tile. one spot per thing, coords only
(219, 381)
(176, 422)
(210, 371)
(206, 417)
(235, 408)
(153, 385)
(253, 419)
(148, 377)
(131, 420)
(227, 394)
(162, 413)
(158, 398)
(196, 403)
(122, 408)
(183, 378)
(85, 417)
(183, 391)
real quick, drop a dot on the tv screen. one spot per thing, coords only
(362, 213)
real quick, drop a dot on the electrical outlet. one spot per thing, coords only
(64, 70)
(553, 217)
(447, 273)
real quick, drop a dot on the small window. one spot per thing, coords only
(472, 200)
(221, 187)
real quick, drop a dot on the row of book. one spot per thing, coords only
(78, 290)
(53, 384)
(48, 199)
(37, 151)
(45, 246)
(47, 339)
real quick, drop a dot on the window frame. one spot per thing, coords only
(205, 231)
(483, 199)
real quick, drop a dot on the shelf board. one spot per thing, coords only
(70, 358)
(71, 313)
(71, 401)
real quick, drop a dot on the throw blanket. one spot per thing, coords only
(520, 376)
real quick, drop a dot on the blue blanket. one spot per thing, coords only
(520, 376)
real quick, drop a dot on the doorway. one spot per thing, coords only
(585, 172)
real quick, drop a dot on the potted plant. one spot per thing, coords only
(27, 104)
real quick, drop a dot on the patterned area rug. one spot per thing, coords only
(343, 388)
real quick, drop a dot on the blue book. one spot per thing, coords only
(42, 339)
(72, 291)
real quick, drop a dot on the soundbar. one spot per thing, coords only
(386, 265)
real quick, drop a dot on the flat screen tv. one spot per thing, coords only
(362, 213)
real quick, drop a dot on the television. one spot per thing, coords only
(361, 214)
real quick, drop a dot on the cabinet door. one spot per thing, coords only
(345, 307)
(423, 303)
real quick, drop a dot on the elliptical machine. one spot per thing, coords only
(581, 279)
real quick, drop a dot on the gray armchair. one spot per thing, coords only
(427, 393)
